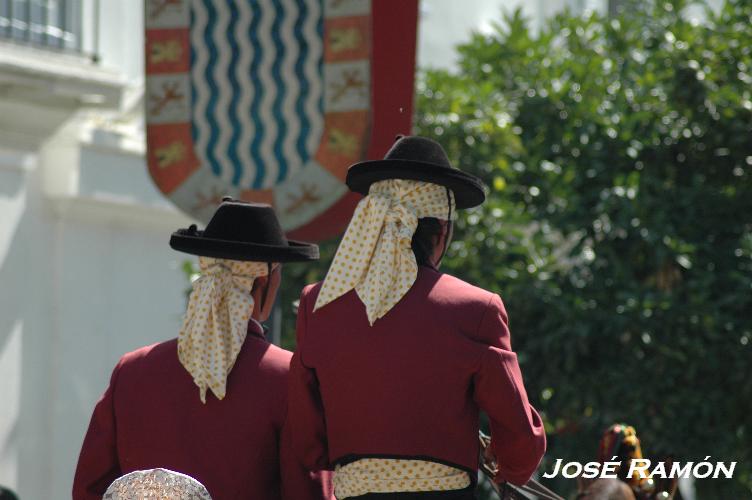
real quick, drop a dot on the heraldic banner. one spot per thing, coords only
(272, 100)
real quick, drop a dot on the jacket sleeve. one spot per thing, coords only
(518, 439)
(298, 483)
(98, 464)
(305, 408)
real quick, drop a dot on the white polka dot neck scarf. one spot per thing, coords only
(375, 257)
(216, 323)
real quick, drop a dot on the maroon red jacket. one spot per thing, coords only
(412, 384)
(151, 416)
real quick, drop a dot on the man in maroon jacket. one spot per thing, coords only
(212, 403)
(395, 359)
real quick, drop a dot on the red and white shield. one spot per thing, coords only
(272, 100)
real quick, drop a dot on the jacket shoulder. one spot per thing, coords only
(454, 290)
(449, 290)
(277, 359)
(146, 360)
(159, 350)
(310, 293)
(482, 312)
(467, 288)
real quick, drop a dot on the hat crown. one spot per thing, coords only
(246, 223)
(422, 149)
(244, 231)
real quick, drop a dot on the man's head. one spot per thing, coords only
(414, 193)
(240, 255)
(422, 159)
(249, 232)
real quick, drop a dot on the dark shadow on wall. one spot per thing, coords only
(6, 494)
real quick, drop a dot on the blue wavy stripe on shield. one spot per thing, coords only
(320, 31)
(232, 153)
(258, 96)
(194, 129)
(305, 123)
(212, 104)
(281, 88)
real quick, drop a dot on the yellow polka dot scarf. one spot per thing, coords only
(380, 475)
(375, 257)
(216, 323)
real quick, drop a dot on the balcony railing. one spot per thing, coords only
(48, 24)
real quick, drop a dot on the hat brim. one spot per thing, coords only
(468, 189)
(197, 244)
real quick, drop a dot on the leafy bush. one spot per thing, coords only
(618, 228)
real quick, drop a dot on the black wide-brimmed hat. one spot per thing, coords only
(420, 159)
(243, 231)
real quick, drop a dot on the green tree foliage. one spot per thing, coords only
(618, 229)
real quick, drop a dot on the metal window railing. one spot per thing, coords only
(48, 24)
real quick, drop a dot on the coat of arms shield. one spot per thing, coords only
(272, 100)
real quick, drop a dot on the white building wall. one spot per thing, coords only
(121, 43)
(446, 23)
(83, 279)
(128, 295)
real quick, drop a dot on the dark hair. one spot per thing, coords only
(423, 239)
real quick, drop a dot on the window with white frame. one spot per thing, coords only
(53, 24)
